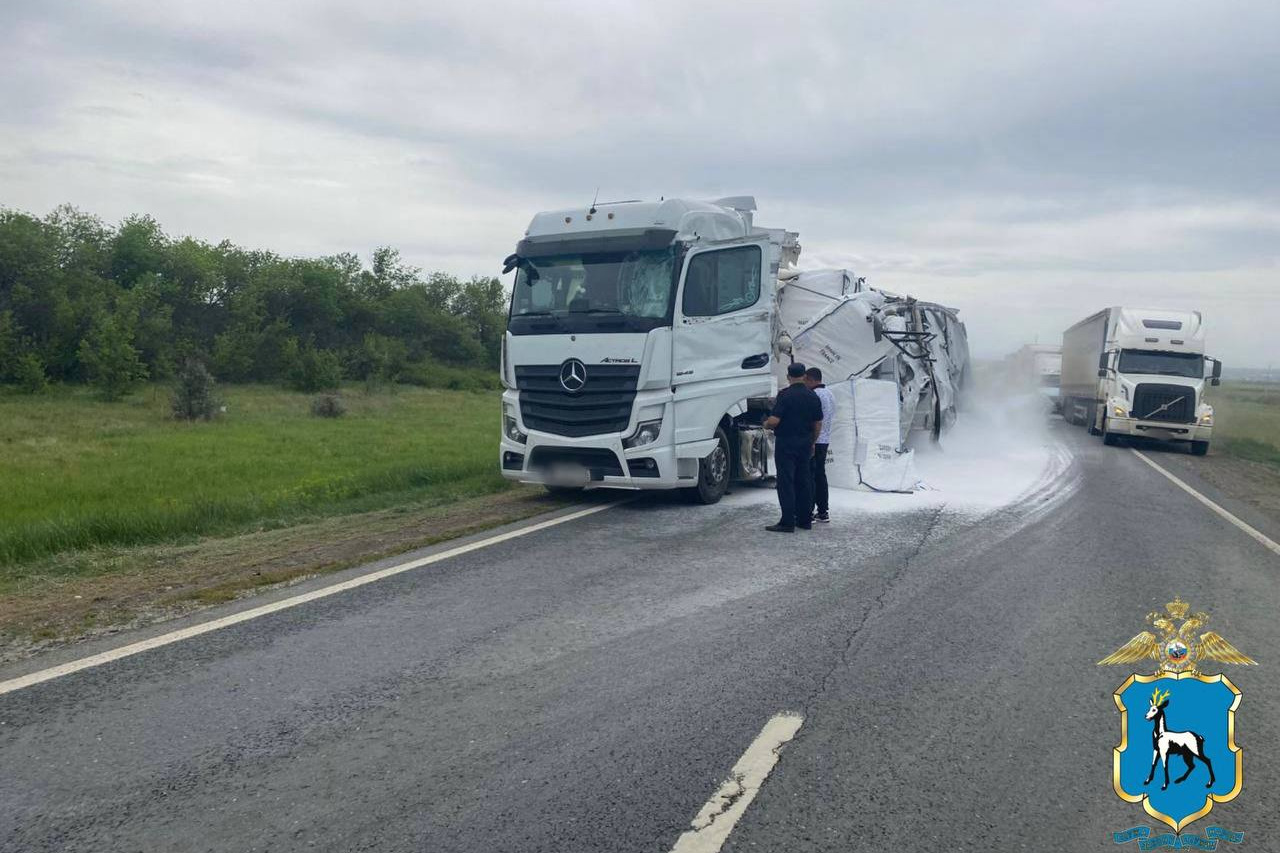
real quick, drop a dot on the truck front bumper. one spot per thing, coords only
(1161, 430)
(595, 462)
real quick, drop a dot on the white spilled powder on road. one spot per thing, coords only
(999, 450)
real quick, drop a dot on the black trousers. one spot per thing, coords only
(820, 493)
(795, 484)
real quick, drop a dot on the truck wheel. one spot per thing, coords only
(1108, 437)
(713, 473)
(1199, 448)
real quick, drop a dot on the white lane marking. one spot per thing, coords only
(53, 672)
(717, 818)
(1247, 528)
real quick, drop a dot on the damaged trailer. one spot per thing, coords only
(897, 367)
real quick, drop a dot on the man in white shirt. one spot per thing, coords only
(813, 379)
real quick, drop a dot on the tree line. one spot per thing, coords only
(82, 301)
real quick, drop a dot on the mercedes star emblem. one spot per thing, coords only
(573, 375)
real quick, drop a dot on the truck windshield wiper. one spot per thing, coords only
(535, 314)
(599, 311)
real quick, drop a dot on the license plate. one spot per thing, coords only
(569, 475)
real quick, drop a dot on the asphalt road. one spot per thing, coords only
(588, 687)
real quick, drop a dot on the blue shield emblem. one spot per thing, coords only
(1177, 754)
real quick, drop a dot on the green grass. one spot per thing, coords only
(1247, 421)
(76, 472)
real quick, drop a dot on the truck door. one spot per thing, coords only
(722, 335)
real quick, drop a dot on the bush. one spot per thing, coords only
(110, 361)
(316, 370)
(328, 406)
(379, 361)
(28, 372)
(428, 374)
(193, 397)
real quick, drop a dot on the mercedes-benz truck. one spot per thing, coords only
(1136, 372)
(646, 339)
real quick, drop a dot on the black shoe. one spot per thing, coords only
(804, 527)
(780, 528)
(823, 517)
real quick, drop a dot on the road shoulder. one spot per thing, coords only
(133, 588)
(1249, 490)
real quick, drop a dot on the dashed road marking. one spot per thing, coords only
(91, 661)
(1266, 541)
(711, 827)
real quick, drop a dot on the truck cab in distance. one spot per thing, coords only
(1139, 372)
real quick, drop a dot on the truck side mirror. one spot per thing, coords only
(514, 261)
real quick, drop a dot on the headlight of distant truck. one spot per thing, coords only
(1118, 410)
(510, 427)
(1206, 415)
(646, 433)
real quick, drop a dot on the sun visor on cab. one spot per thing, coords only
(596, 242)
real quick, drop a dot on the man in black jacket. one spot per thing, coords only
(796, 420)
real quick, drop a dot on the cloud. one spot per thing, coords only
(1042, 159)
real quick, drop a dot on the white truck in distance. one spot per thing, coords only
(1038, 368)
(1139, 372)
(646, 339)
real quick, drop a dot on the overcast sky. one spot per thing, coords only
(1025, 162)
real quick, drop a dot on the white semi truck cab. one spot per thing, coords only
(639, 347)
(1141, 373)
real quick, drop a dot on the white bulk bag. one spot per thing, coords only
(878, 462)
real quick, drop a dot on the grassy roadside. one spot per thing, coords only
(103, 590)
(77, 473)
(1247, 421)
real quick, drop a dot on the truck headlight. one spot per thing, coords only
(1206, 417)
(511, 428)
(646, 433)
(1119, 411)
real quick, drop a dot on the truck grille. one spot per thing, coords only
(603, 405)
(1178, 403)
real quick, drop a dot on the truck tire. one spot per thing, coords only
(1108, 437)
(1199, 448)
(714, 471)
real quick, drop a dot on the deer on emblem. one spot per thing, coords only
(1164, 743)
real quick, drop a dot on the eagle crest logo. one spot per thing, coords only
(1177, 754)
